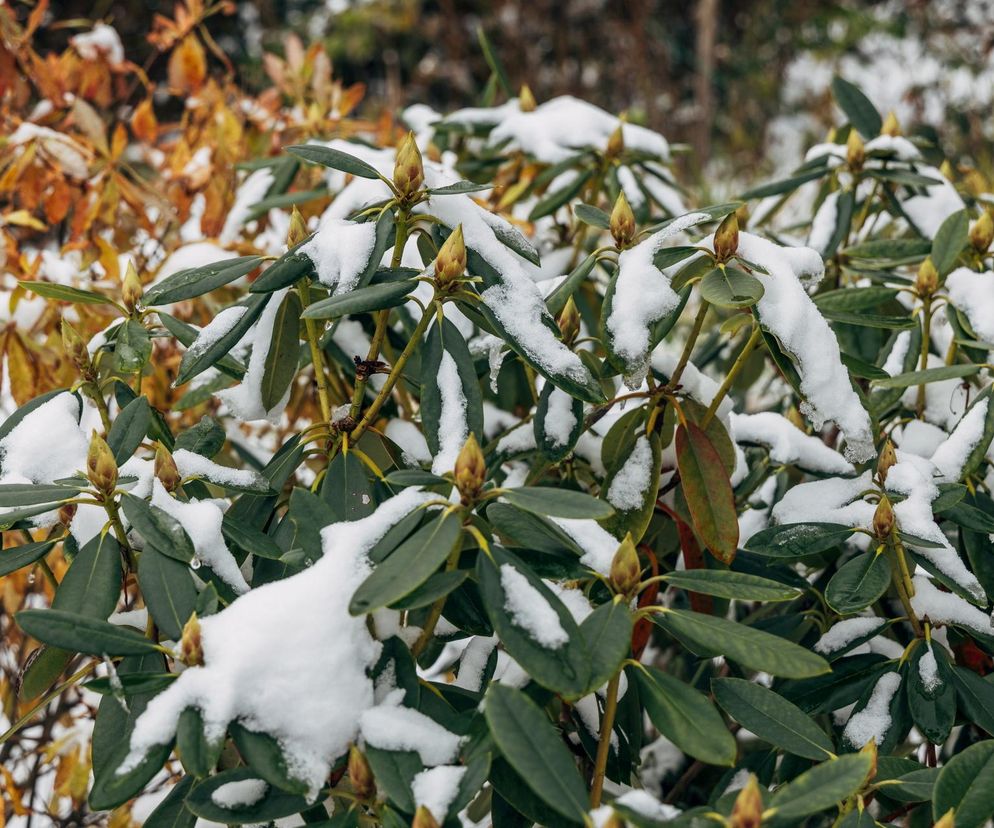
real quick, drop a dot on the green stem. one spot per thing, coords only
(902, 583)
(689, 346)
(926, 330)
(317, 356)
(44, 700)
(733, 372)
(604, 745)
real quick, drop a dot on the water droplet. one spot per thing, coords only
(195, 563)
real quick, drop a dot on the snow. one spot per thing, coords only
(218, 327)
(644, 803)
(436, 789)
(643, 296)
(874, 720)
(973, 294)
(410, 440)
(240, 794)
(559, 418)
(191, 464)
(945, 400)
(919, 437)
(844, 632)
(693, 382)
(101, 41)
(272, 663)
(340, 251)
(556, 129)
(202, 521)
(26, 453)
(787, 311)
(894, 364)
(787, 444)
(453, 428)
(628, 488)
(598, 545)
(252, 190)
(928, 670)
(474, 662)
(946, 608)
(951, 455)
(530, 611)
(928, 211)
(402, 728)
(833, 500)
(245, 399)
(824, 223)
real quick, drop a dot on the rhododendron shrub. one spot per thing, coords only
(500, 480)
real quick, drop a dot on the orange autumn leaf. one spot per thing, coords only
(144, 123)
(187, 67)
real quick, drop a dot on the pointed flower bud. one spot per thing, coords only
(569, 322)
(616, 143)
(423, 818)
(947, 170)
(870, 749)
(626, 570)
(883, 518)
(948, 820)
(927, 281)
(165, 469)
(982, 232)
(887, 458)
(747, 812)
(363, 782)
(470, 470)
(622, 222)
(75, 347)
(298, 228)
(450, 264)
(855, 151)
(101, 468)
(131, 291)
(526, 100)
(891, 126)
(191, 647)
(726, 238)
(408, 171)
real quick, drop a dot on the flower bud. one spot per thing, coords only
(883, 518)
(927, 281)
(526, 100)
(886, 459)
(408, 171)
(363, 783)
(450, 264)
(870, 749)
(101, 468)
(75, 347)
(855, 151)
(298, 228)
(890, 126)
(165, 469)
(423, 818)
(131, 291)
(747, 812)
(948, 820)
(470, 470)
(191, 650)
(626, 570)
(569, 322)
(726, 238)
(616, 143)
(947, 171)
(622, 222)
(982, 232)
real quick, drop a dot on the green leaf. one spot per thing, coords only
(15, 557)
(197, 360)
(861, 113)
(336, 159)
(964, 783)
(871, 320)
(784, 186)
(459, 188)
(723, 583)
(552, 201)
(81, 634)
(795, 540)
(158, 528)
(264, 755)
(409, 565)
(129, 429)
(552, 445)
(669, 256)
(172, 812)
(198, 755)
(132, 347)
(772, 718)
(731, 287)
(531, 745)
(34, 494)
(890, 249)
(708, 635)
(932, 709)
(274, 804)
(284, 352)
(64, 293)
(854, 298)
(493, 61)
(196, 281)
(708, 491)
(822, 787)
(168, 589)
(929, 375)
(346, 488)
(562, 503)
(560, 296)
(93, 583)
(858, 583)
(950, 239)
(362, 300)
(206, 438)
(289, 268)
(975, 697)
(607, 634)
(593, 216)
(685, 716)
(635, 521)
